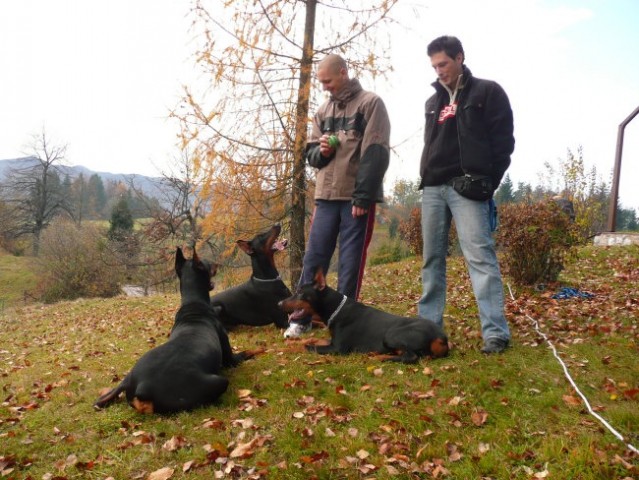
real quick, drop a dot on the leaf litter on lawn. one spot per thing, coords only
(293, 414)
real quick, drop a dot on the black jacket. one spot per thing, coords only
(484, 132)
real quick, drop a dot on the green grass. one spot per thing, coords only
(18, 276)
(300, 415)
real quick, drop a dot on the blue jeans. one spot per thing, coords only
(440, 204)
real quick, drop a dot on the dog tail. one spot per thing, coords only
(109, 397)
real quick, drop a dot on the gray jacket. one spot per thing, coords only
(356, 170)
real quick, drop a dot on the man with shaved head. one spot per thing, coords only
(349, 146)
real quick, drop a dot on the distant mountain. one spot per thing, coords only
(147, 184)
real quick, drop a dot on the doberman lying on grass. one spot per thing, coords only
(184, 372)
(356, 327)
(255, 301)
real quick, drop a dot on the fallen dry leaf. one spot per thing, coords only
(483, 448)
(454, 454)
(571, 400)
(213, 423)
(362, 454)
(243, 422)
(366, 469)
(161, 474)
(243, 393)
(479, 417)
(245, 450)
(175, 443)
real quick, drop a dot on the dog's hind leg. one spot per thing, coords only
(192, 392)
(404, 356)
(213, 386)
(142, 406)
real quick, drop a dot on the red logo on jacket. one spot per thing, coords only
(447, 112)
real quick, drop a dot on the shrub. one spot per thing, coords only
(535, 239)
(388, 252)
(73, 265)
(411, 231)
(393, 226)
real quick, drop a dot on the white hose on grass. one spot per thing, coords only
(572, 382)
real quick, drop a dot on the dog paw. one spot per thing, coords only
(252, 353)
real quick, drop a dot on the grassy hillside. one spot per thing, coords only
(18, 277)
(289, 414)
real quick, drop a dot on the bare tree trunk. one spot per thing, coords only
(298, 193)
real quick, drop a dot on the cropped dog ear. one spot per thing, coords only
(245, 246)
(179, 261)
(201, 265)
(319, 281)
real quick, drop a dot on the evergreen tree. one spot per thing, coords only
(626, 219)
(121, 223)
(79, 198)
(523, 193)
(505, 193)
(97, 196)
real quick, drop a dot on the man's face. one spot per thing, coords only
(447, 69)
(331, 78)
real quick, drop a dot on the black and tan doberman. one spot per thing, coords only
(356, 327)
(255, 302)
(185, 372)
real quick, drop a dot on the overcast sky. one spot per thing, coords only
(101, 75)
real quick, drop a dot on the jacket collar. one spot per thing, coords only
(466, 77)
(463, 80)
(346, 94)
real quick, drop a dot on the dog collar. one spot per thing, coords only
(278, 278)
(328, 323)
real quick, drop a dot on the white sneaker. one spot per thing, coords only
(296, 330)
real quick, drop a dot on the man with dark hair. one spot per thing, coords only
(468, 140)
(349, 145)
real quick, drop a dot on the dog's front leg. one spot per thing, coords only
(247, 354)
(398, 356)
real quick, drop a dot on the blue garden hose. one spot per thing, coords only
(568, 292)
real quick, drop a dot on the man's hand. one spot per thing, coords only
(358, 211)
(325, 149)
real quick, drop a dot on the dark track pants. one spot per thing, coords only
(333, 220)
